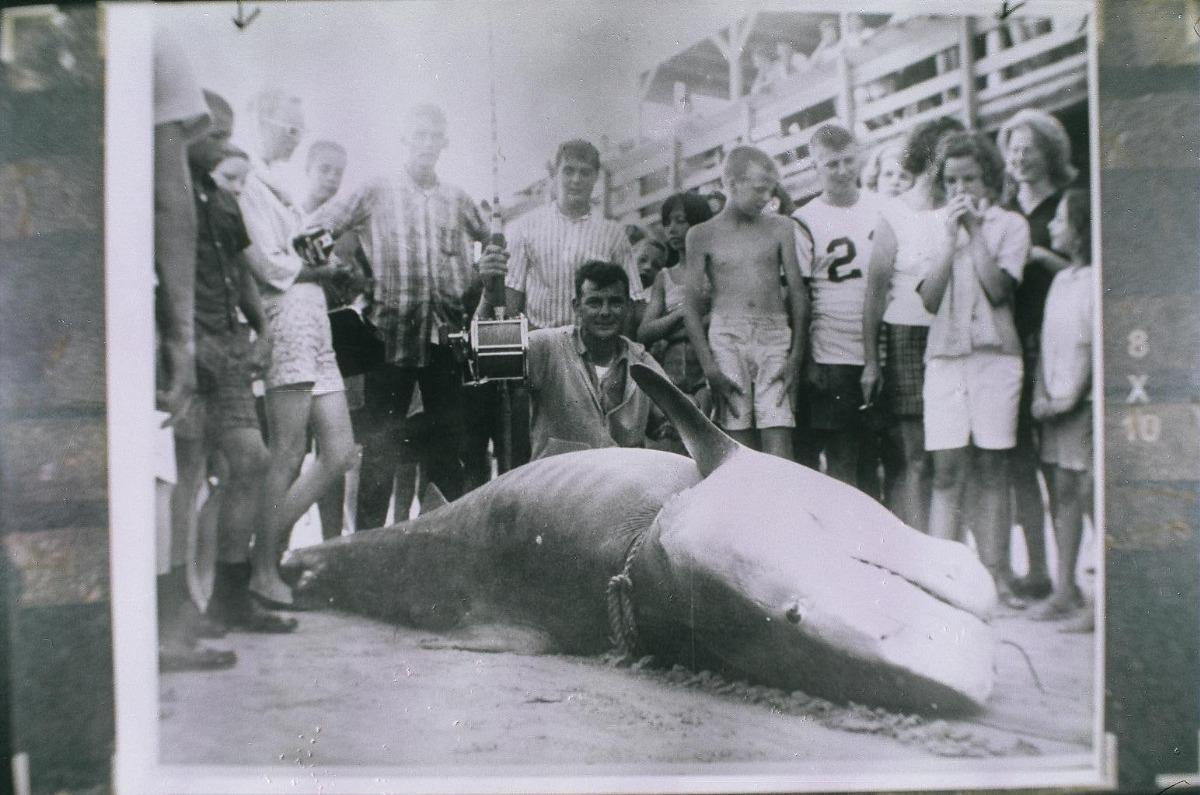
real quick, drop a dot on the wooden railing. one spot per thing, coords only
(1047, 70)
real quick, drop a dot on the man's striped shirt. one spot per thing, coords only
(546, 247)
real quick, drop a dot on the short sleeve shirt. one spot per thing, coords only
(546, 249)
(839, 287)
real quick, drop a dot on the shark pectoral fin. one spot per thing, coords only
(705, 442)
(432, 499)
(494, 638)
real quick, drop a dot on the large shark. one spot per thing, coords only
(731, 560)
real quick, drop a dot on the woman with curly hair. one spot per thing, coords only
(1037, 163)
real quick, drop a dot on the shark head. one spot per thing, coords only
(800, 581)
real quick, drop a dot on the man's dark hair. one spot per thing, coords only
(831, 137)
(979, 148)
(577, 149)
(600, 273)
(921, 145)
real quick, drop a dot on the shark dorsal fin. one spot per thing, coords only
(432, 499)
(706, 443)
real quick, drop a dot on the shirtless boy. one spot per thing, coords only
(750, 356)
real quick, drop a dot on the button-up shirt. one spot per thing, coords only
(546, 249)
(571, 408)
(419, 240)
(966, 320)
(221, 236)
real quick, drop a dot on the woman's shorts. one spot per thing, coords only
(301, 342)
(972, 400)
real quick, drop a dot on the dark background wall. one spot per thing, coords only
(53, 474)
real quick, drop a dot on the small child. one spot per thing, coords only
(650, 255)
(749, 355)
(1062, 400)
(230, 171)
(883, 173)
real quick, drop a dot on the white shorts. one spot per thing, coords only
(972, 400)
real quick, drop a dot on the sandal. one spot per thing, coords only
(267, 603)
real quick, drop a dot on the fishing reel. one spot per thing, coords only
(492, 350)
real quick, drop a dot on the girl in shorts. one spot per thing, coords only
(973, 365)
(1062, 401)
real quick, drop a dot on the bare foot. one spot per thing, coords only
(1061, 606)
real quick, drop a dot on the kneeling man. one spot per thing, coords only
(581, 393)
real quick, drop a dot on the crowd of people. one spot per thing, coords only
(920, 329)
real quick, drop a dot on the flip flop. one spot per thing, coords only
(270, 604)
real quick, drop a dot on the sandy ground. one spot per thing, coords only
(345, 690)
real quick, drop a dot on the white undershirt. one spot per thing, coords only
(601, 372)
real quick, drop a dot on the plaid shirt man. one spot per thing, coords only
(419, 242)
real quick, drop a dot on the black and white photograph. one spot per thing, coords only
(515, 396)
(609, 397)
(614, 397)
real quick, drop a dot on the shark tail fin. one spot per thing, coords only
(432, 499)
(706, 443)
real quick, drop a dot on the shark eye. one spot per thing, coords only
(793, 614)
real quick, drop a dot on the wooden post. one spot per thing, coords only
(845, 97)
(993, 42)
(966, 48)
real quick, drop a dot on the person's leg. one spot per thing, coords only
(245, 461)
(329, 506)
(480, 425)
(914, 481)
(1029, 509)
(777, 441)
(288, 410)
(1068, 531)
(388, 392)
(870, 455)
(441, 392)
(993, 525)
(841, 455)
(748, 437)
(948, 475)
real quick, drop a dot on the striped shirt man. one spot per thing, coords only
(419, 241)
(546, 248)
